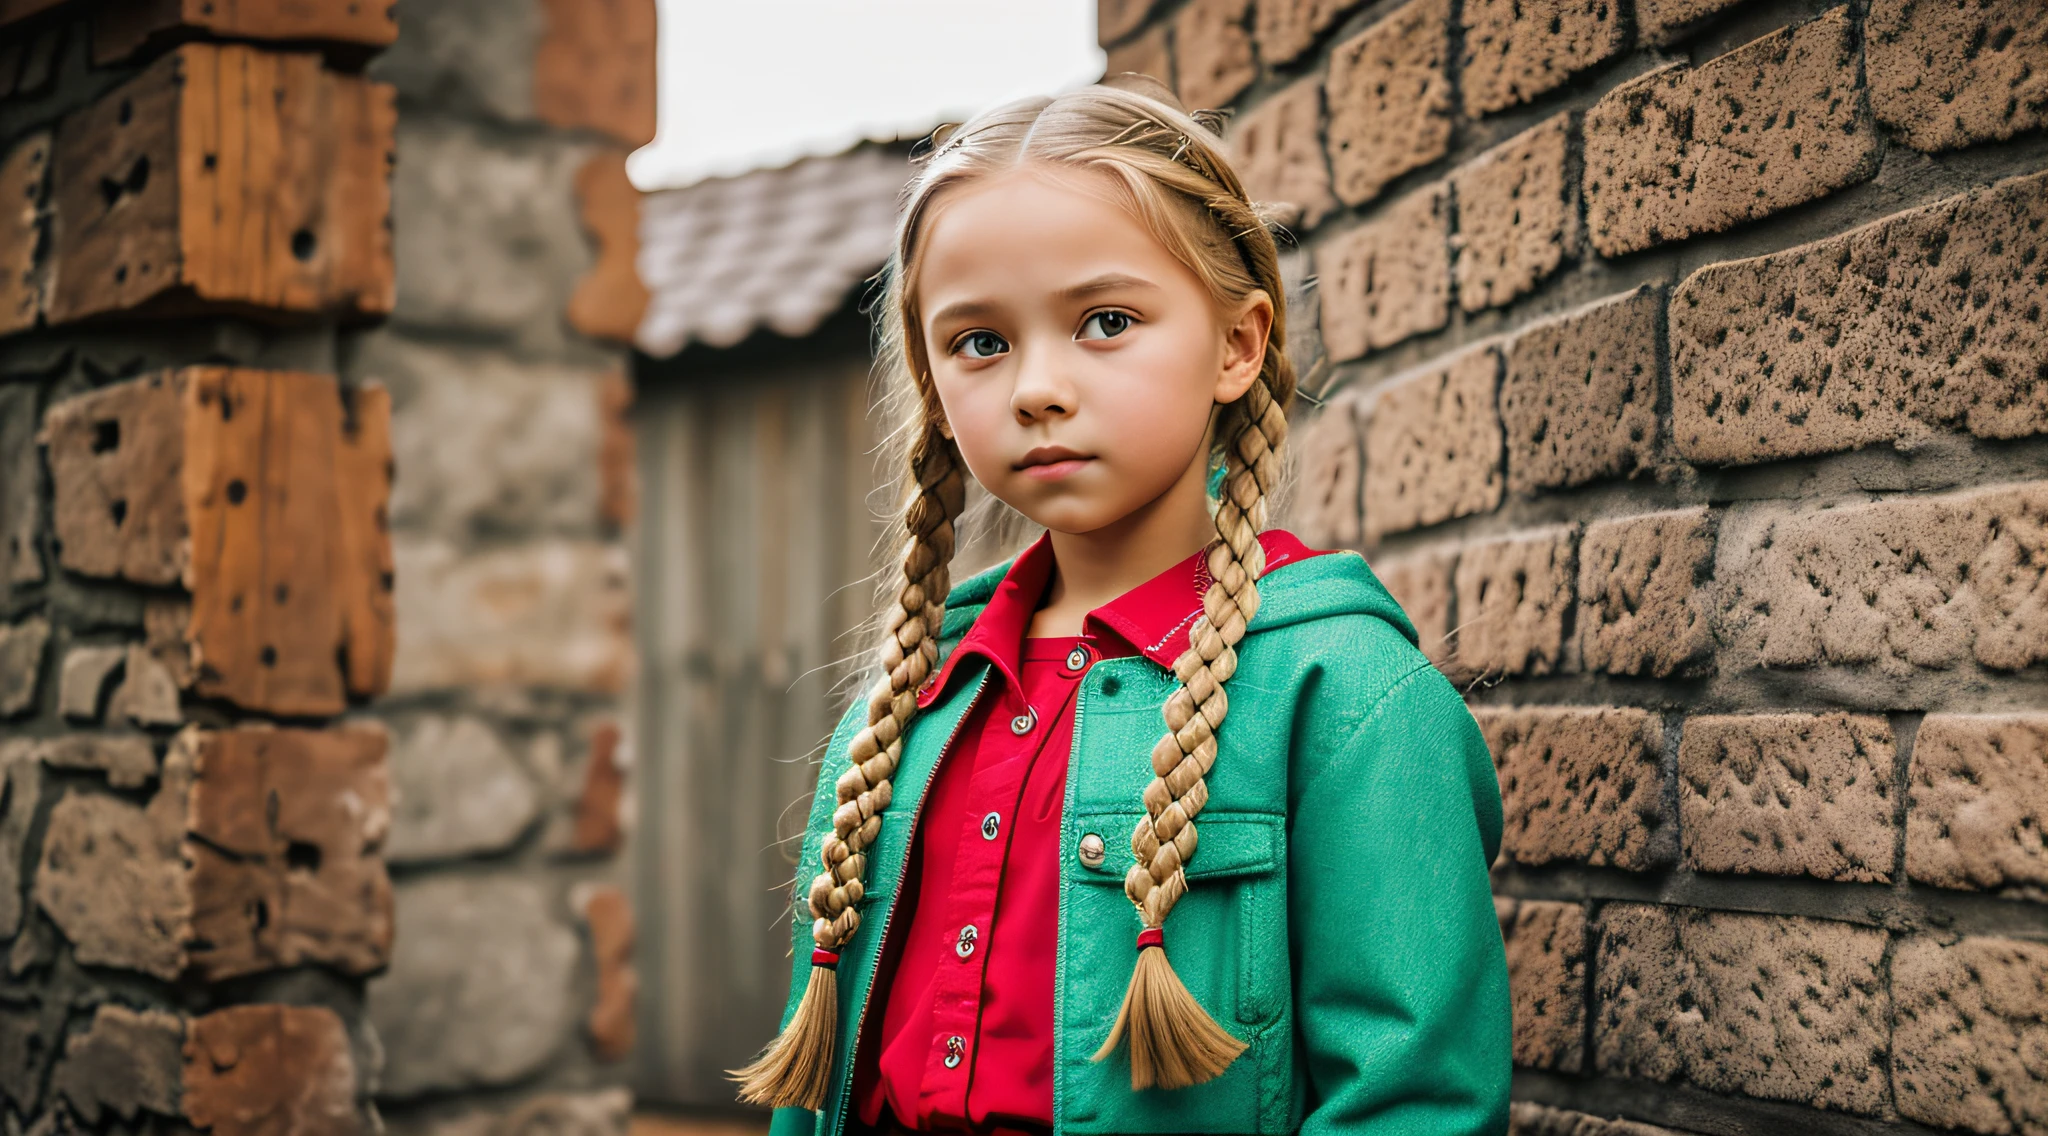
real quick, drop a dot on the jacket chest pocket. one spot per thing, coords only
(1227, 937)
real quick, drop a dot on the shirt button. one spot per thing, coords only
(955, 1046)
(1077, 659)
(1022, 723)
(1092, 850)
(990, 825)
(964, 946)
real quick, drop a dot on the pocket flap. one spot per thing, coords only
(1226, 844)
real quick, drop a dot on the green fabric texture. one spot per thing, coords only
(1338, 917)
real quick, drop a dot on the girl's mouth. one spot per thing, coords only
(1054, 470)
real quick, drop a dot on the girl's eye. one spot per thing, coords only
(1112, 324)
(981, 345)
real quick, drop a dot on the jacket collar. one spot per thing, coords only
(1152, 618)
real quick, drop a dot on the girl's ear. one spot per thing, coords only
(1244, 347)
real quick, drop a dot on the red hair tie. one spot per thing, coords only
(827, 959)
(1152, 937)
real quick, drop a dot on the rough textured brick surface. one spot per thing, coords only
(1527, 1118)
(268, 1070)
(609, 916)
(1421, 583)
(1279, 147)
(1926, 582)
(21, 663)
(1325, 511)
(1518, 49)
(548, 613)
(1115, 19)
(1148, 54)
(1390, 99)
(1579, 784)
(459, 791)
(21, 486)
(1286, 28)
(125, 1062)
(1788, 795)
(1968, 1050)
(1518, 216)
(128, 760)
(1977, 801)
(1578, 399)
(1389, 278)
(1213, 52)
(1949, 73)
(1432, 446)
(1642, 604)
(1767, 1006)
(83, 681)
(1683, 151)
(111, 875)
(1514, 599)
(1546, 945)
(114, 458)
(1661, 21)
(1928, 319)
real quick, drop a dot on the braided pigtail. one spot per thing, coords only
(1174, 1043)
(796, 1068)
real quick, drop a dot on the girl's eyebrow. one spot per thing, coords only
(1108, 281)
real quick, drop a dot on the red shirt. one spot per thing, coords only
(967, 972)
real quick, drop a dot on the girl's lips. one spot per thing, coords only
(1053, 471)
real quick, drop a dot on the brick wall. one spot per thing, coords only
(313, 479)
(1684, 373)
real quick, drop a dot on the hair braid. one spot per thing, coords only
(797, 1065)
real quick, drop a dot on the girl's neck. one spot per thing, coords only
(1092, 568)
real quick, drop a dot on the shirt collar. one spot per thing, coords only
(1153, 618)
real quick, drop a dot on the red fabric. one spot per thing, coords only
(997, 998)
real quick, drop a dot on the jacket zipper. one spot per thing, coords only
(888, 920)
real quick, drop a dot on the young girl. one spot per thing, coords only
(1085, 315)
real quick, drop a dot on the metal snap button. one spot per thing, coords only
(964, 946)
(1022, 723)
(955, 1047)
(1092, 850)
(990, 825)
(1077, 658)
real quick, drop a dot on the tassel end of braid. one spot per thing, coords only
(1174, 1043)
(796, 1068)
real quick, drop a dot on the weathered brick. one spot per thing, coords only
(459, 791)
(1286, 28)
(1953, 73)
(1390, 99)
(112, 877)
(1547, 980)
(1149, 54)
(1578, 398)
(83, 680)
(1769, 1006)
(1926, 582)
(126, 1062)
(594, 68)
(1690, 150)
(1279, 148)
(600, 828)
(1421, 583)
(1514, 595)
(618, 480)
(1927, 319)
(126, 27)
(1642, 606)
(1580, 785)
(551, 613)
(1432, 446)
(24, 169)
(1968, 1050)
(610, 298)
(1518, 49)
(21, 484)
(21, 663)
(1977, 802)
(1518, 216)
(1664, 21)
(609, 916)
(269, 1070)
(115, 455)
(18, 800)
(128, 760)
(1527, 1118)
(1389, 278)
(1327, 501)
(1788, 795)
(1115, 19)
(1213, 56)
(147, 695)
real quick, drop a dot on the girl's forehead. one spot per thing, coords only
(1008, 222)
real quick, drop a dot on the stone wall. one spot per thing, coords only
(1684, 373)
(314, 475)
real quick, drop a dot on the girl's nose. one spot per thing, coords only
(1042, 391)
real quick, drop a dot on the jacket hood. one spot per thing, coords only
(1337, 582)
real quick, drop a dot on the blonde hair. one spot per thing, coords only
(1166, 167)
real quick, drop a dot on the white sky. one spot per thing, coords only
(753, 83)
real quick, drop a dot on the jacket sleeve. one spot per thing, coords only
(1401, 986)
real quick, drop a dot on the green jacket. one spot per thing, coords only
(1338, 915)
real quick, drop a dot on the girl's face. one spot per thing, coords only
(1077, 361)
